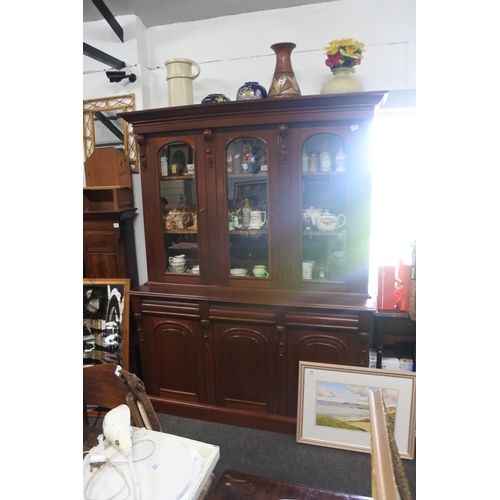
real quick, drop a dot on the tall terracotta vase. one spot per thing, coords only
(284, 83)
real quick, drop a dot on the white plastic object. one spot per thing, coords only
(116, 427)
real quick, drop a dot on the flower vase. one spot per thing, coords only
(342, 83)
(284, 83)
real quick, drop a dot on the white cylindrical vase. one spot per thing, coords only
(180, 76)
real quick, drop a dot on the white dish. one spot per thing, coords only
(177, 269)
(239, 272)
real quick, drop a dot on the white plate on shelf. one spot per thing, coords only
(176, 269)
(239, 272)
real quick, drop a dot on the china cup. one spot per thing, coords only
(307, 270)
(178, 259)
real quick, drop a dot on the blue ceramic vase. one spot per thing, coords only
(251, 90)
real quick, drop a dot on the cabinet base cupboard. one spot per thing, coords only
(257, 222)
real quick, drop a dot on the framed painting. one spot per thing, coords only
(333, 406)
(255, 191)
(106, 321)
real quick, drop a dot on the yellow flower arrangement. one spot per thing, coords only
(344, 53)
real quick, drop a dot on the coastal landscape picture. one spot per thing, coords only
(333, 406)
(345, 406)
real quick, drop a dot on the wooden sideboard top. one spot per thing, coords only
(238, 485)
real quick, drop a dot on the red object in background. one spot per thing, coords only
(386, 280)
(402, 292)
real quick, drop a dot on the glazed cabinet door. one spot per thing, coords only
(175, 209)
(244, 357)
(248, 202)
(330, 218)
(173, 359)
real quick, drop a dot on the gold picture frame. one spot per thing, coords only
(106, 315)
(333, 409)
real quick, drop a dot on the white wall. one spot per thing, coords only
(235, 49)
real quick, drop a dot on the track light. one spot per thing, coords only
(118, 76)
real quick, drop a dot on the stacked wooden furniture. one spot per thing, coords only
(108, 217)
(226, 348)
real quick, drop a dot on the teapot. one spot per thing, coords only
(171, 219)
(308, 215)
(325, 221)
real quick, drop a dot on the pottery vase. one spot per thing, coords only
(251, 90)
(180, 76)
(342, 83)
(284, 83)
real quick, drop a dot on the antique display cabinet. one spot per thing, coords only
(257, 230)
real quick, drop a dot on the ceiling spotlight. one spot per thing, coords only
(118, 76)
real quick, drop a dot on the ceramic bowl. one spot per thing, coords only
(239, 272)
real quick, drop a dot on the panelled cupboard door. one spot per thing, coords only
(175, 350)
(244, 366)
(317, 345)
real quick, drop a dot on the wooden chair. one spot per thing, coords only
(104, 390)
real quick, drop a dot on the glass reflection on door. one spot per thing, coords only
(324, 204)
(248, 215)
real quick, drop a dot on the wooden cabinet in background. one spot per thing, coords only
(109, 245)
(218, 342)
(108, 226)
(394, 330)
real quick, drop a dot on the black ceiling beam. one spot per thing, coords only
(101, 56)
(108, 124)
(106, 13)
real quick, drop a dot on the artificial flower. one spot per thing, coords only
(344, 53)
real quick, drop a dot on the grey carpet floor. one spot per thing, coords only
(279, 457)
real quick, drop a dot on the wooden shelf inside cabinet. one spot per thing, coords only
(107, 198)
(181, 231)
(184, 245)
(319, 173)
(251, 232)
(317, 232)
(240, 175)
(176, 177)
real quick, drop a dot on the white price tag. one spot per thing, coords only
(116, 224)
